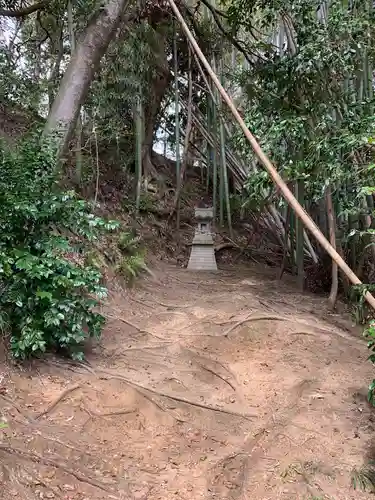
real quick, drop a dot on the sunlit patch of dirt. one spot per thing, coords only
(226, 386)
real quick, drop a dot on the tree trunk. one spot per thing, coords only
(55, 70)
(158, 88)
(185, 161)
(80, 72)
(138, 126)
(332, 237)
(300, 255)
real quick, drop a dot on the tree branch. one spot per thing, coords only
(23, 11)
(190, 15)
(216, 14)
(212, 9)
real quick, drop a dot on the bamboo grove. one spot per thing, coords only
(300, 72)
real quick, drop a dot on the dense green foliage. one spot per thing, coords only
(301, 72)
(47, 300)
(311, 104)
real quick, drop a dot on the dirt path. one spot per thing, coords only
(203, 387)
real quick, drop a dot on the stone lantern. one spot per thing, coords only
(202, 257)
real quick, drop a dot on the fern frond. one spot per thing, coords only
(364, 478)
(128, 242)
(130, 267)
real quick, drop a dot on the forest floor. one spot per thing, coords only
(204, 386)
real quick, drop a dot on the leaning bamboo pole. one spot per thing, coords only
(289, 197)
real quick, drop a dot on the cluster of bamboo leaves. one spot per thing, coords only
(309, 100)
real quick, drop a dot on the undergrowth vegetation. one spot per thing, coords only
(132, 261)
(364, 478)
(47, 297)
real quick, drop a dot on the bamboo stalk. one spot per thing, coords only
(224, 187)
(235, 168)
(238, 171)
(213, 131)
(186, 144)
(209, 146)
(165, 142)
(198, 152)
(306, 219)
(310, 248)
(275, 218)
(138, 118)
(286, 242)
(177, 124)
(332, 237)
(299, 238)
(215, 100)
(222, 163)
(292, 236)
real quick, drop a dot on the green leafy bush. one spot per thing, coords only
(47, 298)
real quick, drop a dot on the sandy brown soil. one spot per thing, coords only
(183, 399)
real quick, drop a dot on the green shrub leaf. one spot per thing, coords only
(47, 300)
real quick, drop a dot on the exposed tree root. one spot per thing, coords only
(253, 318)
(39, 480)
(210, 360)
(18, 408)
(77, 366)
(22, 490)
(61, 443)
(172, 306)
(192, 325)
(176, 398)
(73, 366)
(67, 391)
(228, 382)
(139, 329)
(168, 312)
(183, 282)
(304, 333)
(38, 432)
(144, 394)
(250, 318)
(140, 302)
(161, 345)
(35, 457)
(113, 413)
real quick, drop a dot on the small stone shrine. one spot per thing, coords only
(202, 257)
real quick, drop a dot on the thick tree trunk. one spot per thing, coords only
(55, 71)
(76, 81)
(157, 91)
(185, 160)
